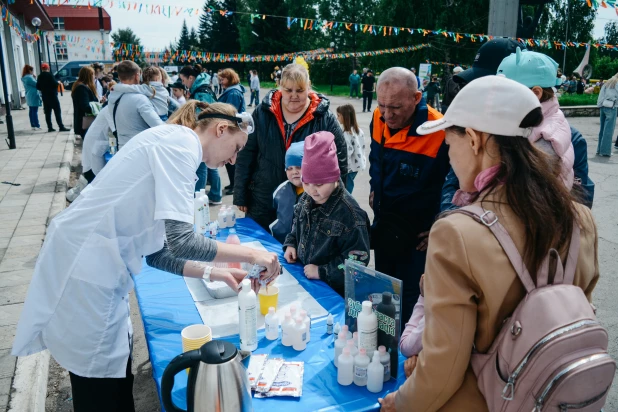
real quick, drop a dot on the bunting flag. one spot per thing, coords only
(463, 66)
(14, 24)
(131, 52)
(320, 24)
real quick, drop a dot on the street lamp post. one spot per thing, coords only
(332, 46)
(36, 22)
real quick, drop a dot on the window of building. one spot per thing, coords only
(58, 23)
(62, 52)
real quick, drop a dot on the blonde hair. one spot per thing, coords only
(187, 115)
(611, 83)
(165, 78)
(296, 74)
(150, 74)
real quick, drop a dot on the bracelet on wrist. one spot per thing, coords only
(207, 273)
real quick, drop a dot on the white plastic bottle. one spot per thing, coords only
(232, 215)
(385, 360)
(375, 374)
(287, 330)
(300, 335)
(353, 349)
(222, 218)
(228, 216)
(247, 313)
(367, 323)
(346, 331)
(345, 372)
(361, 362)
(337, 329)
(271, 324)
(339, 345)
(205, 209)
(197, 213)
(307, 320)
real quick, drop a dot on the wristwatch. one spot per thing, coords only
(207, 272)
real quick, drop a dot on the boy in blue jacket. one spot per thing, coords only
(287, 194)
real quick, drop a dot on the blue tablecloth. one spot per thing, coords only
(167, 307)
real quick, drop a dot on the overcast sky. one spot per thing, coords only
(156, 32)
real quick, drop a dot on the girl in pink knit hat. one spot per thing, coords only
(329, 225)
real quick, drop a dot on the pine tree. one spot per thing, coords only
(194, 41)
(184, 42)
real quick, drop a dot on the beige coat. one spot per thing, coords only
(470, 289)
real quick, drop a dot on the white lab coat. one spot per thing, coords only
(77, 301)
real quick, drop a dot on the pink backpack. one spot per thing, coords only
(551, 354)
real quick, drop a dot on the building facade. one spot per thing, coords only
(80, 33)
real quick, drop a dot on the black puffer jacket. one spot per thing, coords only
(260, 166)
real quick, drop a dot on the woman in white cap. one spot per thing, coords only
(470, 285)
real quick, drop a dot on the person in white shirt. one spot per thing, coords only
(179, 92)
(141, 204)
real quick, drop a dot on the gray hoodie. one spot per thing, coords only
(134, 115)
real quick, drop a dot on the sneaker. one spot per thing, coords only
(215, 203)
(615, 146)
(51, 129)
(64, 129)
(73, 193)
(229, 191)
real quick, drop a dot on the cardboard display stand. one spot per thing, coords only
(362, 284)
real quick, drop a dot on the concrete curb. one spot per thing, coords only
(30, 383)
(29, 389)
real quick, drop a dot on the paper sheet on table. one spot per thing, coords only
(222, 314)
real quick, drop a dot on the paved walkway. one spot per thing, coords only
(34, 179)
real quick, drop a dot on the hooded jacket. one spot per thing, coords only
(260, 166)
(234, 95)
(32, 94)
(135, 114)
(199, 89)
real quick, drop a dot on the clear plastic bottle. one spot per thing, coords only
(233, 239)
(222, 218)
(353, 349)
(271, 324)
(361, 362)
(367, 323)
(339, 345)
(247, 310)
(300, 335)
(337, 329)
(385, 360)
(232, 215)
(345, 372)
(307, 320)
(375, 374)
(205, 210)
(329, 324)
(197, 213)
(287, 331)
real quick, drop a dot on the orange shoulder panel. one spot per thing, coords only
(428, 145)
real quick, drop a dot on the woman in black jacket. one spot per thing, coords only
(285, 116)
(84, 91)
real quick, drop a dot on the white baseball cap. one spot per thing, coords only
(490, 104)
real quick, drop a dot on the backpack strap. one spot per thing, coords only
(115, 132)
(571, 263)
(489, 219)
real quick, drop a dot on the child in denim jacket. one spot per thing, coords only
(328, 225)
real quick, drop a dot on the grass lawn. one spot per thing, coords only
(578, 100)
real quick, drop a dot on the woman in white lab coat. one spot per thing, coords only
(141, 204)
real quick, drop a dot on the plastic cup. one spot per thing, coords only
(194, 337)
(268, 296)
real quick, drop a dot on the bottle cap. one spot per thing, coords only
(271, 310)
(376, 356)
(246, 285)
(355, 335)
(344, 329)
(382, 349)
(288, 317)
(346, 351)
(197, 194)
(387, 298)
(202, 192)
(303, 313)
(367, 306)
(350, 343)
(232, 231)
(342, 336)
(299, 321)
(329, 318)
(362, 351)
(293, 307)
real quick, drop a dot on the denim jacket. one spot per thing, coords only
(325, 236)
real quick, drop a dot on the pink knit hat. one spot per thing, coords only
(320, 164)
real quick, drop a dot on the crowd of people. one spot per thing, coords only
(501, 145)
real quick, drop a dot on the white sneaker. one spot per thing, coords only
(73, 193)
(212, 202)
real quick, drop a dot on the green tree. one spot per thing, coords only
(194, 41)
(611, 33)
(127, 36)
(184, 42)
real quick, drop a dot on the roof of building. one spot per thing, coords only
(71, 11)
